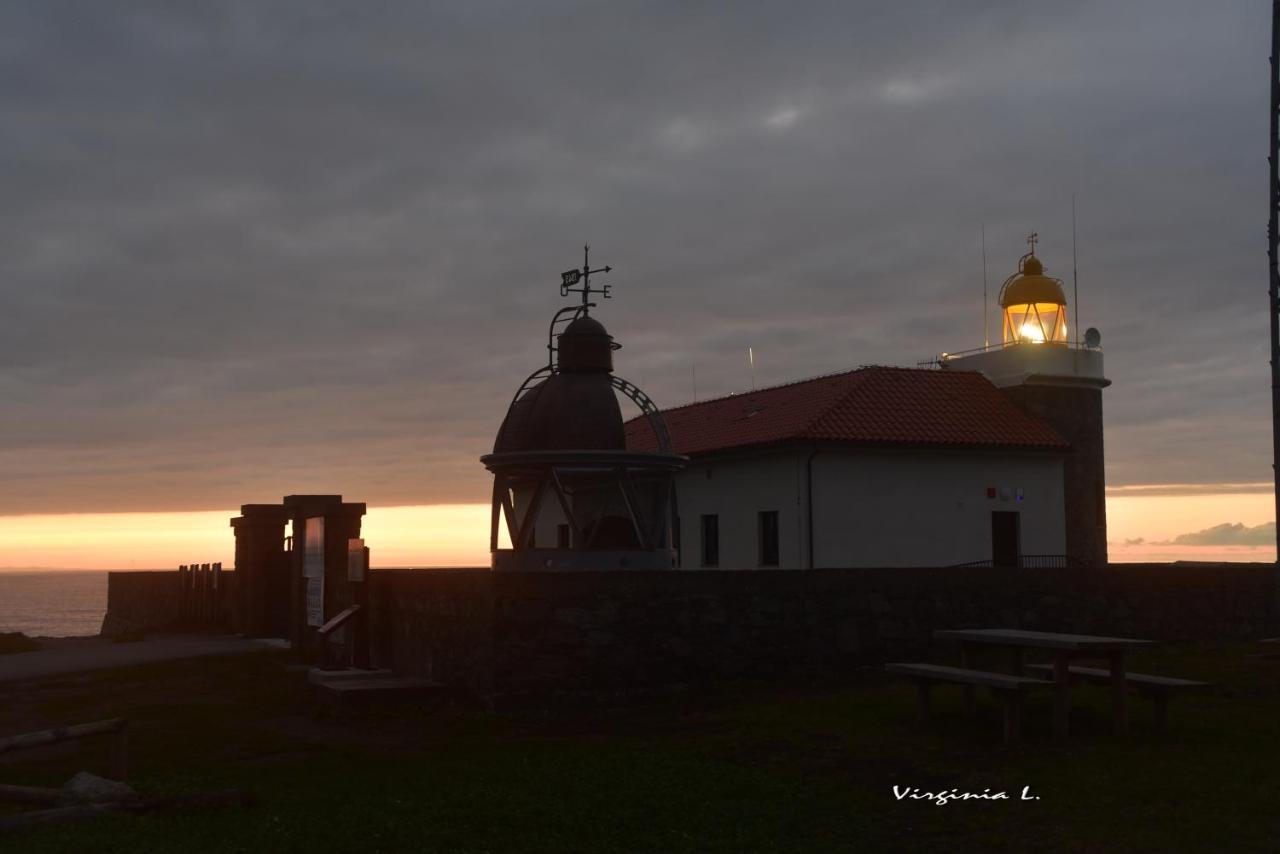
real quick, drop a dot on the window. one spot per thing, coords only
(767, 525)
(562, 536)
(711, 540)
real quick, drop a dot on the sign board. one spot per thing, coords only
(356, 557)
(313, 569)
(315, 602)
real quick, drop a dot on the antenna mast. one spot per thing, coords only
(1273, 227)
(986, 337)
(1075, 275)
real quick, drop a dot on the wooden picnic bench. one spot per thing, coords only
(1011, 689)
(1160, 689)
(1064, 648)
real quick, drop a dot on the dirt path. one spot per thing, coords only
(73, 655)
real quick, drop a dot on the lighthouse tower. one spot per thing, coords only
(1041, 369)
(571, 495)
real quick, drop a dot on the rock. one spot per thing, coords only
(121, 630)
(86, 788)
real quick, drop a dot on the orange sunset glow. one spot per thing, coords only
(1141, 527)
(430, 535)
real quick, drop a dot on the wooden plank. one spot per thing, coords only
(1061, 695)
(970, 700)
(1119, 697)
(57, 815)
(1044, 640)
(1100, 674)
(29, 795)
(959, 675)
(53, 736)
(337, 621)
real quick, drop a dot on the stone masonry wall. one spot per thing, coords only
(153, 600)
(141, 600)
(512, 634)
(508, 635)
(436, 623)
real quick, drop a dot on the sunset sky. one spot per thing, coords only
(254, 249)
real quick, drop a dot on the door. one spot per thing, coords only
(1006, 545)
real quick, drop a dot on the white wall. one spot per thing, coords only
(930, 508)
(872, 507)
(736, 490)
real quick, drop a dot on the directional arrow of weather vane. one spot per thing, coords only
(569, 278)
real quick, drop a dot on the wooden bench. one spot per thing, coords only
(1010, 688)
(1159, 688)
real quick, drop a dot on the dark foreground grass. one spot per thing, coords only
(741, 768)
(11, 642)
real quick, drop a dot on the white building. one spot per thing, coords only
(874, 467)
(996, 456)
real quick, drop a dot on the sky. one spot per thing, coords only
(256, 249)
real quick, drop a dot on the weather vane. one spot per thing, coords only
(569, 278)
(1031, 241)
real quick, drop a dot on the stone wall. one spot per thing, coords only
(143, 601)
(508, 635)
(513, 634)
(436, 623)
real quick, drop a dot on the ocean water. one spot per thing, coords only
(54, 603)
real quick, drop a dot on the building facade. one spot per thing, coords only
(873, 467)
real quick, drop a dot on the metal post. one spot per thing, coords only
(1273, 235)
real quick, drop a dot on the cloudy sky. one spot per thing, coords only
(249, 249)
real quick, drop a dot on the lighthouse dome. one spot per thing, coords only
(1030, 286)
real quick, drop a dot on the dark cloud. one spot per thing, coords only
(1228, 534)
(256, 248)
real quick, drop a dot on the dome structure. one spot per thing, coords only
(1033, 305)
(571, 495)
(575, 406)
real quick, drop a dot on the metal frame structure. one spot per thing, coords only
(620, 484)
(557, 471)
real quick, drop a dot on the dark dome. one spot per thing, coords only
(572, 411)
(585, 345)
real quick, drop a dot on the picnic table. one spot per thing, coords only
(1064, 647)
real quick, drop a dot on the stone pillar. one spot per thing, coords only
(261, 588)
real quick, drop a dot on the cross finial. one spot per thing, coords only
(1032, 238)
(569, 278)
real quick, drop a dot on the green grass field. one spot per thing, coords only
(737, 768)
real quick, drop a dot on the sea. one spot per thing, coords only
(53, 603)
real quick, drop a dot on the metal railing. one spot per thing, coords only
(951, 354)
(1028, 562)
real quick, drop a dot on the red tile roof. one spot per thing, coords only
(876, 405)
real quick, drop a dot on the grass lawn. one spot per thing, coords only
(740, 768)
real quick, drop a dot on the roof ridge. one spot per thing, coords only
(800, 381)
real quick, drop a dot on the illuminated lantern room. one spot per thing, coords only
(1033, 305)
